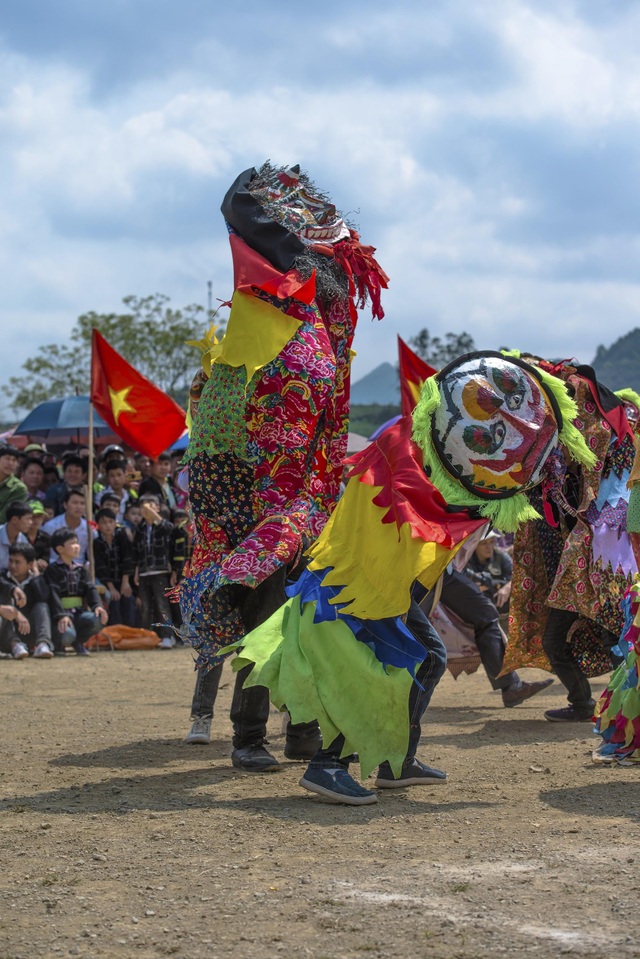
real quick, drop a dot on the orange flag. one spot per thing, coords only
(145, 417)
(413, 373)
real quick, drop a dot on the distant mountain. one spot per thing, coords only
(379, 386)
(619, 365)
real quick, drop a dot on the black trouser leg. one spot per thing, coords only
(250, 707)
(558, 650)
(464, 599)
(206, 692)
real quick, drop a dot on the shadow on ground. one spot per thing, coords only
(513, 732)
(196, 789)
(144, 754)
(609, 799)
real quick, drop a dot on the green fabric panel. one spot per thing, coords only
(633, 510)
(219, 426)
(320, 671)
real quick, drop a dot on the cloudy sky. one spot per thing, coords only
(489, 150)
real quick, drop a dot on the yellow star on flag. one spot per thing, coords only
(119, 403)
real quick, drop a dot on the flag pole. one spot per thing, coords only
(89, 500)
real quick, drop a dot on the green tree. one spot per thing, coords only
(437, 352)
(151, 336)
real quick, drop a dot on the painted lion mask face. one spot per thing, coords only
(495, 424)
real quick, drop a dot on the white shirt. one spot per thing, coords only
(124, 502)
(5, 544)
(81, 531)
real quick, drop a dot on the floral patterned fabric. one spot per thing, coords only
(271, 488)
(270, 412)
(585, 562)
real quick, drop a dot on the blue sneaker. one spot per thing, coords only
(414, 773)
(336, 785)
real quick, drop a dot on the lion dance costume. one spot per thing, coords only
(338, 651)
(270, 405)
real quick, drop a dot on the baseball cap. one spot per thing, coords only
(35, 448)
(36, 507)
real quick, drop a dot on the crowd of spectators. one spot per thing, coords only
(67, 570)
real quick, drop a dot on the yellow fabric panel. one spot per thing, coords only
(256, 333)
(375, 562)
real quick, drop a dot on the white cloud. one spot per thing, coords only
(488, 152)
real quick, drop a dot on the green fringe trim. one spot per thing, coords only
(505, 514)
(627, 395)
(570, 437)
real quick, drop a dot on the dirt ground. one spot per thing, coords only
(119, 840)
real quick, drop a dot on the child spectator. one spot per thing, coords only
(40, 540)
(32, 475)
(11, 488)
(110, 501)
(116, 477)
(159, 483)
(72, 518)
(143, 466)
(152, 557)
(14, 530)
(114, 567)
(75, 603)
(32, 595)
(73, 476)
(132, 519)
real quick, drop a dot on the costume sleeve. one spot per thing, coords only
(285, 425)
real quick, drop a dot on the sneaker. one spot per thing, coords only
(514, 695)
(81, 649)
(571, 714)
(42, 651)
(167, 643)
(337, 786)
(200, 731)
(255, 759)
(414, 773)
(19, 650)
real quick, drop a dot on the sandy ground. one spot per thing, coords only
(119, 840)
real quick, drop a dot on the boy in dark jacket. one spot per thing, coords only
(32, 596)
(114, 567)
(152, 557)
(75, 603)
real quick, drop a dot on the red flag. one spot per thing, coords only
(145, 417)
(413, 373)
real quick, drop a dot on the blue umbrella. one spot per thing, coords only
(181, 443)
(59, 419)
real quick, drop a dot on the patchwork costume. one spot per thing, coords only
(339, 650)
(617, 711)
(270, 406)
(573, 566)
